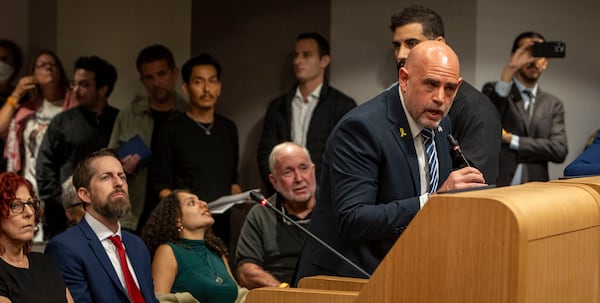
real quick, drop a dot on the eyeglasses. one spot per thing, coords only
(45, 64)
(18, 207)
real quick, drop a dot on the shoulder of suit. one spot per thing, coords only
(283, 99)
(543, 95)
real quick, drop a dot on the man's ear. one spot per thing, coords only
(272, 179)
(440, 39)
(325, 60)
(184, 88)
(84, 195)
(175, 72)
(103, 91)
(403, 78)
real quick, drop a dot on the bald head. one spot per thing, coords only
(429, 82)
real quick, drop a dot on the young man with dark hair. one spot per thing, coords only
(533, 121)
(73, 134)
(306, 114)
(143, 117)
(475, 122)
(199, 150)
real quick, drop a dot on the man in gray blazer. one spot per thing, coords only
(533, 121)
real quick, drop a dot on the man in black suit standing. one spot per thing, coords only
(306, 114)
(533, 121)
(475, 121)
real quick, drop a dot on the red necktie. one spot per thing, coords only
(134, 292)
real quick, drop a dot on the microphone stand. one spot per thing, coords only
(260, 199)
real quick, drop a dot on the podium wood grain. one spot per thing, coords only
(537, 242)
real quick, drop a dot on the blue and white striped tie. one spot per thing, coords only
(431, 158)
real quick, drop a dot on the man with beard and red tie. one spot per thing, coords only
(99, 260)
(533, 121)
(198, 150)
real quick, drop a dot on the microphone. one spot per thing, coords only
(260, 199)
(457, 149)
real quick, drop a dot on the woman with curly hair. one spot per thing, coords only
(188, 257)
(25, 276)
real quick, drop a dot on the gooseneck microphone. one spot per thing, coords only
(260, 199)
(457, 149)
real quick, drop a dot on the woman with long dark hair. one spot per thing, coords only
(187, 256)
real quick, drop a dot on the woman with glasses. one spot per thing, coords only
(36, 99)
(187, 256)
(25, 276)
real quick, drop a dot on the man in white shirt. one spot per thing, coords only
(306, 114)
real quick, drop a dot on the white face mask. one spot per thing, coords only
(5, 71)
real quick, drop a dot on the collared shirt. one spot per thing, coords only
(418, 141)
(302, 111)
(103, 234)
(503, 89)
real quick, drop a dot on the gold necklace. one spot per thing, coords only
(206, 255)
(212, 268)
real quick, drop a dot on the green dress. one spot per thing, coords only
(202, 272)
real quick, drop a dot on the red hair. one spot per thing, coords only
(9, 184)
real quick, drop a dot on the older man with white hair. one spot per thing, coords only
(269, 245)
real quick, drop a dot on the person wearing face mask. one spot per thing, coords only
(11, 60)
(533, 121)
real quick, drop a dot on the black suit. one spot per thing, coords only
(277, 125)
(476, 126)
(370, 187)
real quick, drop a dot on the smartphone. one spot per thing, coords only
(550, 49)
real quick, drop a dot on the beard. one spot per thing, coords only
(114, 209)
(529, 73)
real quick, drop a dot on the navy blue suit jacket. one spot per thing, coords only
(369, 189)
(87, 270)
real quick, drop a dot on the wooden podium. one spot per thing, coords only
(537, 242)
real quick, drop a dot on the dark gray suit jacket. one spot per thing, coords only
(370, 187)
(541, 139)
